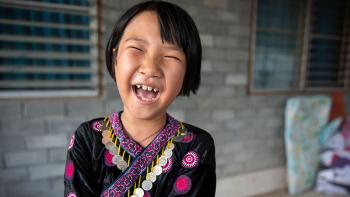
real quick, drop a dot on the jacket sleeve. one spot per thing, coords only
(80, 177)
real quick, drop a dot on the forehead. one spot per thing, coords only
(145, 27)
(146, 19)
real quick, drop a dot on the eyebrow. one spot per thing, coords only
(173, 47)
(136, 39)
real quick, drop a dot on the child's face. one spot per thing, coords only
(145, 62)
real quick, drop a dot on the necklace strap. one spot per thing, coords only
(146, 138)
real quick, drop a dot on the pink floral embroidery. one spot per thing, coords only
(182, 184)
(188, 138)
(168, 165)
(71, 142)
(97, 126)
(108, 159)
(146, 194)
(190, 160)
(69, 173)
(71, 194)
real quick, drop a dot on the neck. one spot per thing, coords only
(140, 130)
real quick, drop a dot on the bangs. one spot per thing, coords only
(171, 30)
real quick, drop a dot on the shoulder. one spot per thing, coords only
(200, 143)
(94, 125)
(199, 134)
(89, 131)
(87, 137)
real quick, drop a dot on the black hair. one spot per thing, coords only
(176, 27)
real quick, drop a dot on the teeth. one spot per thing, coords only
(147, 88)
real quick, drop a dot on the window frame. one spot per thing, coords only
(95, 26)
(305, 34)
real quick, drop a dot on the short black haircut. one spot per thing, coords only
(176, 27)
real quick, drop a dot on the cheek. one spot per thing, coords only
(125, 66)
(176, 77)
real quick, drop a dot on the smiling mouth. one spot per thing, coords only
(145, 93)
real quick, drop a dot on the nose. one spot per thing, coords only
(150, 67)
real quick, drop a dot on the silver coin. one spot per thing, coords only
(109, 145)
(146, 185)
(122, 165)
(105, 133)
(116, 159)
(171, 146)
(157, 170)
(106, 140)
(151, 177)
(113, 150)
(139, 192)
(168, 153)
(162, 161)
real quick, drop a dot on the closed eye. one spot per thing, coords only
(136, 48)
(173, 57)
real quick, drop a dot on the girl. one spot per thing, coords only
(154, 55)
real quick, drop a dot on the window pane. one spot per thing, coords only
(326, 66)
(47, 45)
(276, 65)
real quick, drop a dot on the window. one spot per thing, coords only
(49, 48)
(299, 46)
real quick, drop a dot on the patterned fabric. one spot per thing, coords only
(188, 138)
(97, 126)
(108, 158)
(72, 194)
(96, 175)
(168, 165)
(147, 194)
(69, 172)
(182, 184)
(71, 142)
(190, 160)
(131, 147)
(305, 117)
(139, 165)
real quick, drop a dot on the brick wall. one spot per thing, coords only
(248, 130)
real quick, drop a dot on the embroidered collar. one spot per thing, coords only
(143, 157)
(130, 146)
